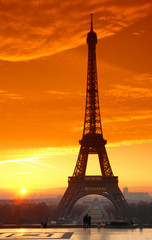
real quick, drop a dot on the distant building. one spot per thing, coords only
(136, 196)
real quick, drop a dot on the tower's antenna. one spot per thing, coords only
(91, 22)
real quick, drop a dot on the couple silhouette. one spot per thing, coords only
(86, 221)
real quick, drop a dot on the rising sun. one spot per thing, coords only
(23, 190)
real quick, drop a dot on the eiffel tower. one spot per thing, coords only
(92, 142)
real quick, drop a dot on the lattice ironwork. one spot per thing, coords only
(92, 140)
(92, 122)
(92, 143)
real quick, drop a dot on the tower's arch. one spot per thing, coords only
(80, 187)
(70, 207)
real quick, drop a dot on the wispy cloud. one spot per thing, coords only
(130, 117)
(138, 33)
(5, 95)
(33, 161)
(32, 166)
(49, 166)
(138, 86)
(29, 162)
(58, 92)
(125, 91)
(23, 173)
(33, 29)
(129, 143)
(73, 93)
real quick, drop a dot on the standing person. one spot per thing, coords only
(85, 221)
(89, 221)
(45, 225)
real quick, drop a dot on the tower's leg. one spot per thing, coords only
(81, 164)
(104, 162)
(67, 201)
(119, 202)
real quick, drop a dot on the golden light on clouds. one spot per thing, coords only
(43, 66)
(33, 29)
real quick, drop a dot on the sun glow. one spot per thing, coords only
(23, 190)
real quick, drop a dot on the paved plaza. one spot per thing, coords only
(77, 234)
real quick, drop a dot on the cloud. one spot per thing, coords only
(50, 166)
(73, 93)
(34, 29)
(129, 143)
(138, 33)
(23, 173)
(129, 116)
(33, 161)
(30, 160)
(124, 91)
(4, 95)
(136, 87)
(58, 92)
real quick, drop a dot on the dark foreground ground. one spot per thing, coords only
(75, 234)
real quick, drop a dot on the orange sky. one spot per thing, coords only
(43, 69)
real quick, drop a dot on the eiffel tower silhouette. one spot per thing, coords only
(92, 142)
